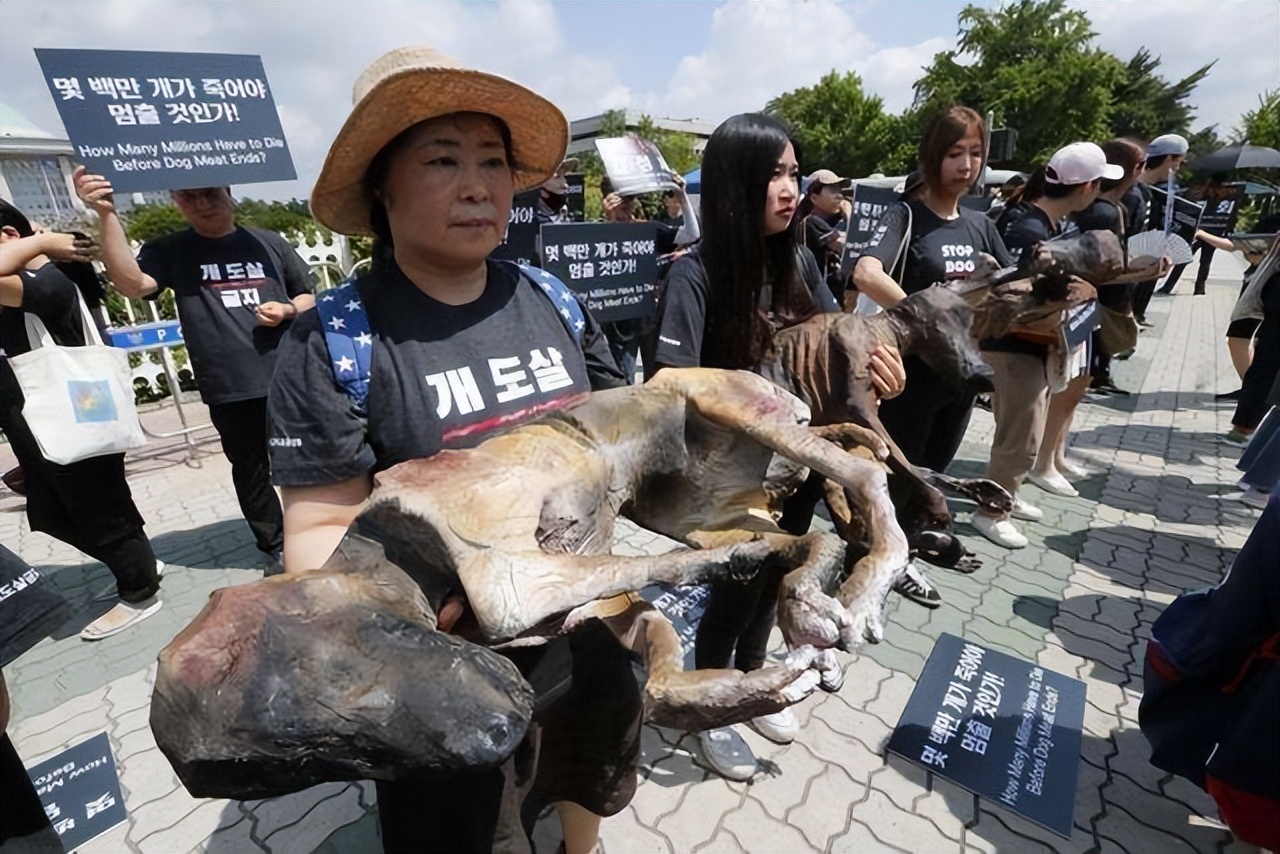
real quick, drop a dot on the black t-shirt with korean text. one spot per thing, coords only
(218, 283)
(940, 249)
(682, 313)
(441, 376)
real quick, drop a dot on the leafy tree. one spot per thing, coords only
(292, 219)
(1033, 65)
(1261, 126)
(839, 126)
(1145, 105)
(147, 222)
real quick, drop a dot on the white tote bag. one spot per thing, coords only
(79, 400)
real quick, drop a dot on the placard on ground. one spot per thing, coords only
(1000, 727)
(80, 790)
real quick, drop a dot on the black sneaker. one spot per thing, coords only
(1107, 387)
(1229, 395)
(915, 586)
(275, 564)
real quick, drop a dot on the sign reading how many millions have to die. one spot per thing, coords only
(613, 265)
(999, 727)
(80, 791)
(168, 121)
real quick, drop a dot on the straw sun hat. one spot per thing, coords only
(412, 84)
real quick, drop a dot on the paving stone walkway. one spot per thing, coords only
(1080, 599)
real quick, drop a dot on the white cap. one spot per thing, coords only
(1080, 163)
(1169, 143)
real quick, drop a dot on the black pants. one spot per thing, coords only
(929, 419)
(243, 428)
(1174, 275)
(1206, 261)
(734, 629)
(1262, 372)
(130, 560)
(1142, 298)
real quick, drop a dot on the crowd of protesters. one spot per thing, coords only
(766, 250)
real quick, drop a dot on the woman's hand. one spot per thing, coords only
(95, 191)
(888, 374)
(275, 313)
(60, 246)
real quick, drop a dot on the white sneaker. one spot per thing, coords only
(1025, 510)
(1070, 470)
(123, 616)
(1054, 484)
(1002, 532)
(782, 727)
(727, 753)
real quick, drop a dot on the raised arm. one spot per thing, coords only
(122, 268)
(879, 286)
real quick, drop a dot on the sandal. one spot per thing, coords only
(106, 625)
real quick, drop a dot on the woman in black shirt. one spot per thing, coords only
(942, 243)
(86, 504)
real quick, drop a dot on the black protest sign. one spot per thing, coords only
(683, 606)
(575, 196)
(80, 790)
(998, 726)
(1080, 323)
(869, 204)
(613, 265)
(634, 166)
(521, 243)
(168, 121)
(1186, 214)
(1221, 204)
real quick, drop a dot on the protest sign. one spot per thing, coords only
(634, 165)
(521, 243)
(613, 265)
(683, 606)
(1221, 204)
(168, 121)
(575, 196)
(998, 726)
(1186, 214)
(1080, 323)
(80, 790)
(869, 204)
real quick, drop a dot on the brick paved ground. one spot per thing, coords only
(1080, 599)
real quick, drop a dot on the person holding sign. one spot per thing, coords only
(919, 243)
(236, 290)
(723, 302)
(1020, 402)
(436, 347)
(85, 504)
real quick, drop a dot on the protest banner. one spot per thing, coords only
(869, 204)
(613, 265)
(80, 790)
(1221, 204)
(168, 121)
(684, 607)
(1186, 214)
(634, 165)
(998, 726)
(521, 243)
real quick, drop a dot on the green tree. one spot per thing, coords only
(1033, 65)
(839, 126)
(1145, 105)
(292, 219)
(1261, 126)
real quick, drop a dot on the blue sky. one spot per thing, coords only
(685, 59)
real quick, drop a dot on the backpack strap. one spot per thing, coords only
(349, 339)
(562, 298)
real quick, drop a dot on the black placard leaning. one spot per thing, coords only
(612, 264)
(1000, 727)
(80, 790)
(168, 121)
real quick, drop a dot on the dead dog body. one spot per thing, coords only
(522, 526)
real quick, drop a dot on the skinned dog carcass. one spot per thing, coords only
(342, 674)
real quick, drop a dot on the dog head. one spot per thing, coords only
(938, 323)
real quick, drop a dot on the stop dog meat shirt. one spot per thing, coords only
(441, 376)
(940, 249)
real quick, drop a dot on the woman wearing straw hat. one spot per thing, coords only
(435, 347)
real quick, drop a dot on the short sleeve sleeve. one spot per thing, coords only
(316, 434)
(996, 246)
(886, 241)
(682, 315)
(153, 261)
(48, 297)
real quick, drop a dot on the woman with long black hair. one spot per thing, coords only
(723, 302)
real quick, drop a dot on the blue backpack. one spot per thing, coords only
(350, 339)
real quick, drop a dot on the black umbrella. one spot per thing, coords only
(1237, 157)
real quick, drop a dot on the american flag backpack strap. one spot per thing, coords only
(349, 339)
